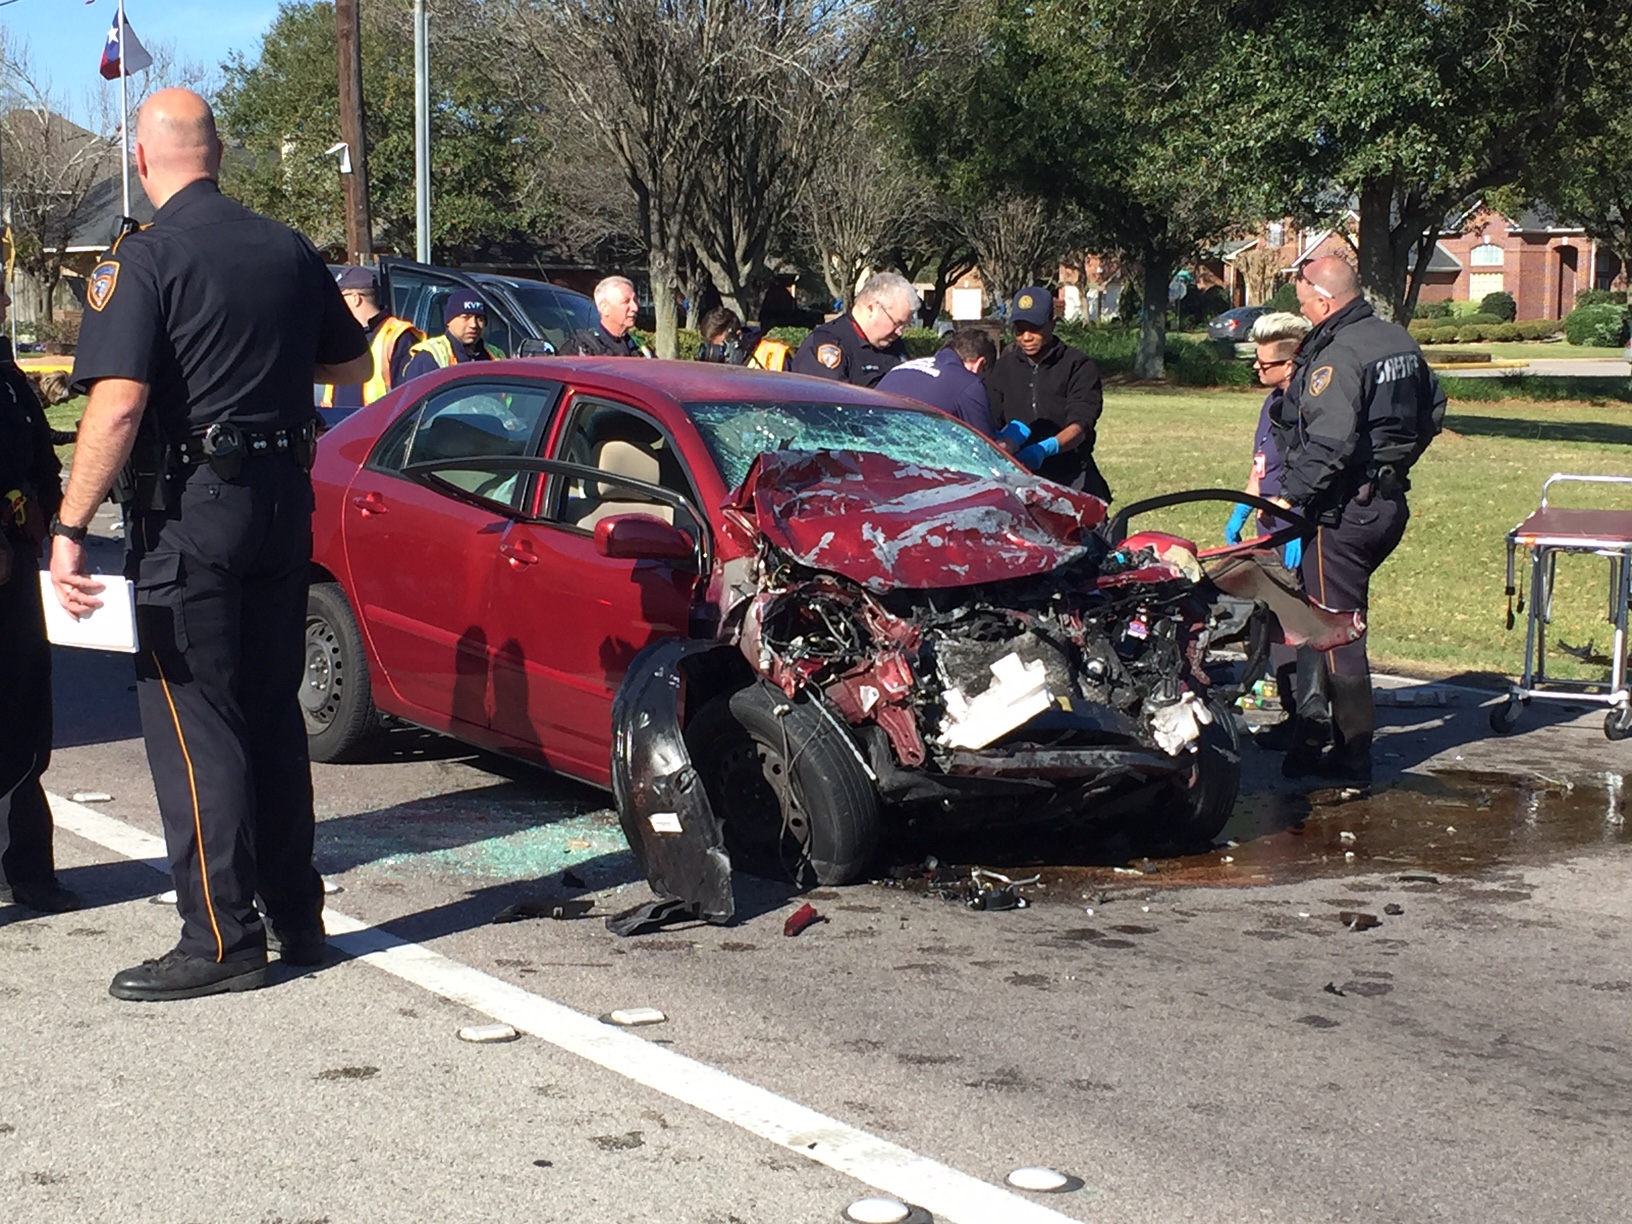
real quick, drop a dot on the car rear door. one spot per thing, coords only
(422, 556)
(567, 620)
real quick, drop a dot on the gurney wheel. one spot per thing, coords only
(1618, 723)
(1505, 717)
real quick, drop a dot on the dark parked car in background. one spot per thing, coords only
(1235, 325)
(523, 316)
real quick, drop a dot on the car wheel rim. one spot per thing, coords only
(758, 790)
(321, 686)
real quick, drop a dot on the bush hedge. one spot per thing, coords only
(1602, 325)
(1599, 297)
(1285, 298)
(1432, 310)
(1500, 304)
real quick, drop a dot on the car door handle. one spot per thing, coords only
(518, 554)
(370, 503)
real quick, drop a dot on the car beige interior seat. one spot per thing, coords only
(637, 462)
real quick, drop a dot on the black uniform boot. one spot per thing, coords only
(1354, 716)
(1311, 730)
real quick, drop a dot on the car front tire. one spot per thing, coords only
(794, 800)
(1203, 806)
(336, 700)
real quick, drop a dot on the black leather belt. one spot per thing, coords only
(202, 446)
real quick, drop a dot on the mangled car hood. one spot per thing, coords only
(890, 525)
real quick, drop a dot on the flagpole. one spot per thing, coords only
(124, 110)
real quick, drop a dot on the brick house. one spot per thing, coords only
(1541, 262)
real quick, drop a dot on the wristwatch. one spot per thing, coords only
(60, 528)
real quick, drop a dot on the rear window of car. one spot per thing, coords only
(737, 433)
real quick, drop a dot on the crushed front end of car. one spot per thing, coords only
(969, 644)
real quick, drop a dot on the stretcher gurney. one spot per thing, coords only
(1549, 531)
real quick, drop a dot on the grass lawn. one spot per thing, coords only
(1437, 606)
(65, 416)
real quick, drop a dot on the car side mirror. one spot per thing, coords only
(536, 348)
(642, 537)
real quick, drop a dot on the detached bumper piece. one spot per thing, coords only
(662, 806)
(1066, 763)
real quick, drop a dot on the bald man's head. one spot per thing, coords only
(176, 143)
(1336, 276)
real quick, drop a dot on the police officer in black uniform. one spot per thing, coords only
(201, 338)
(864, 345)
(613, 334)
(1361, 408)
(1047, 397)
(30, 489)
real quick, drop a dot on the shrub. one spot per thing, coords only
(1603, 325)
(1419, 328)
(1501, 305)
(1441, 335)
(921, 341)
(1599, 297)
(1460, 311)
(1504, 331)
(1472, 333)
(1285, 298)
(60, 335)
(1538, 329)
(1433, 310)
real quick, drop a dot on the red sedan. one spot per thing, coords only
(764, 609)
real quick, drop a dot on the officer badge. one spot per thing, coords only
(99, 288)
(829, 355)
(1320, 380)
(1023, 301)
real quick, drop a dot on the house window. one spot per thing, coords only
(1486, 255)
(1275, 234)
(1481, 283)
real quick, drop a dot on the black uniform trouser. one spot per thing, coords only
(221, 611)
(25, 723)
(1337, 567)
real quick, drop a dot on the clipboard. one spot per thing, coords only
(110, 627)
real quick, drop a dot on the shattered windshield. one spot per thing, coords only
(738, 432)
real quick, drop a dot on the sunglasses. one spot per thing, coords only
(1265, 365)
(1324, 292)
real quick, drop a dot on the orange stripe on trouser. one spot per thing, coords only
(198, 823)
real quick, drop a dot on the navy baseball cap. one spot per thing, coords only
(463, 304)
(360, 279)
(1033, 305)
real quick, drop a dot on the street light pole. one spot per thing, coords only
(422, 134)
(348, 36)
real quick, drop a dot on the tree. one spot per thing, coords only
(486, 137)
(1587, 177)
(1018, 241)
(1103, 105)
(853, 208)
(1410, 113)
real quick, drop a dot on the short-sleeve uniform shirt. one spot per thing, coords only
(224, 314)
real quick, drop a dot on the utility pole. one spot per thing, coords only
(348, 35)
(422, 134)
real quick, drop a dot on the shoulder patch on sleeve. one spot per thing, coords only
(1320, 380)
(99, 287)
(830, 355)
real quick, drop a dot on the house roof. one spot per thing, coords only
(1442, 260)
(1538, 218)
(104, 206)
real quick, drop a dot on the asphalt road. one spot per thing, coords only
(1213, 1042)
(1557, 367)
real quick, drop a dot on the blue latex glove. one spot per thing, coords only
(1238, 520)
(1015, 433)
(1032, 456)
(1293, 554)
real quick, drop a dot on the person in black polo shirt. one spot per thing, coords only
(202, 336)
(864, 345)
(1052, 394)
(613, 334)
(30, 488)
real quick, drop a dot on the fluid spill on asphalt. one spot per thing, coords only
(1447, 824)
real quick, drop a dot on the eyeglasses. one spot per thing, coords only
(1266, 365)
(897, 324)
(1320, 289)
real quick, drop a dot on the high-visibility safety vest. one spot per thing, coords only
(441, 347)
(380, 349)
(771, 355)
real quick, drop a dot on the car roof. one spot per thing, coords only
(683, 382)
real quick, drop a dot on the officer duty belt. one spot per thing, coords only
(225, 447)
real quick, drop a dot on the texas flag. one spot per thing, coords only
(136, 56)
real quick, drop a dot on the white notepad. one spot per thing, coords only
(110, 627)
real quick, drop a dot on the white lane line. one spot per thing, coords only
(941, 1190)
